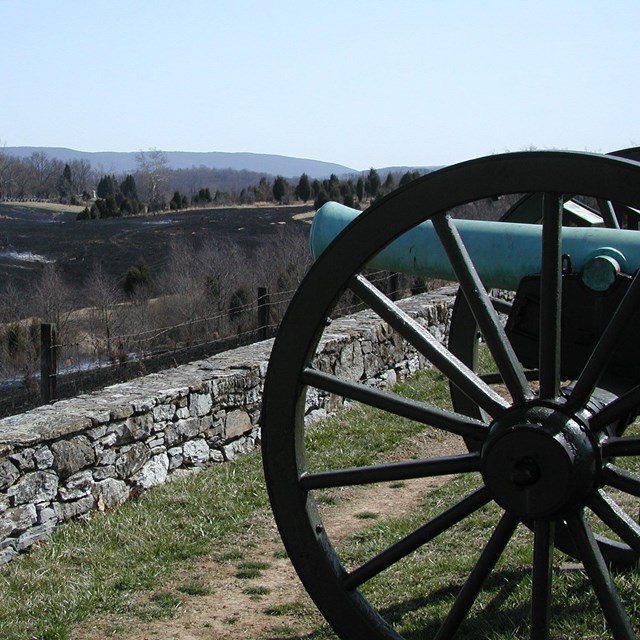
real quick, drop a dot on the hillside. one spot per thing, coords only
(123, 162)
(120, 162)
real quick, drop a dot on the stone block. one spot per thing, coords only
(46, 515)
(77, 486)
(200, 404)
(143, 405)
(196, 452)
(7, 554)
(23, 459)
(182, 413)
(110, 493)
(33, 535)
(164, 413)
(139, 427)
(43, 458)
(17, 519)
(69, 456)
(36, 486)
(100, 473)
(215, 455)
(68, 510)
(132, 459)
(97, 432)
(9, 473)
(176, 458)
(153, 473)
(180, 431)
(237, 423)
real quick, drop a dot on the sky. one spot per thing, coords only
(362, 83)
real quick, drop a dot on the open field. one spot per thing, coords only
(52, 207)
(31, 236)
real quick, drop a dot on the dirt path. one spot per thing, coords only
(273, 604)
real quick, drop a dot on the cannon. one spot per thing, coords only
(547, 423)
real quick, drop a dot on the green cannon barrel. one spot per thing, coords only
(503, 252)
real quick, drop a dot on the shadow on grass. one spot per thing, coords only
(496, 619)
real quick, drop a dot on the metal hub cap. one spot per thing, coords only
(538, 461)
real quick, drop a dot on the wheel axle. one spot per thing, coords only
(539, 462)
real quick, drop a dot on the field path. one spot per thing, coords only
(272, 605)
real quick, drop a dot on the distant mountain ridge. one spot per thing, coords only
(125, 161)
(118, 162)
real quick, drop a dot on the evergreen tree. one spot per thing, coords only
(107, 186)
(360, 189)
(128, 188)
(372, 183)
(280, 187)
(408, 177)
(320, 199)
(176, 201)
(303, 190)
(138, 278)
(65, 187)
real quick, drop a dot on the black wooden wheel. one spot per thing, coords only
(546, 457)
(465, 338)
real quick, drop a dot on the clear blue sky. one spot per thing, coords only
(361, 83)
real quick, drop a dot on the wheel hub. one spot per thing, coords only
(539, 462)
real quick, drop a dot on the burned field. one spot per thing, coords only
(31, 238)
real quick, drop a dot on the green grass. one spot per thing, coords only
(366, 515)
(256, 591)
(194, 588)
(98, 567)
(251, 570)
(287, 609)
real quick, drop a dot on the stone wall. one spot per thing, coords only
(94, 451)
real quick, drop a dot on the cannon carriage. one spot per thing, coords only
(548, 427)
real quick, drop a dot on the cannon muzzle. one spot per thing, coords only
(503, 253)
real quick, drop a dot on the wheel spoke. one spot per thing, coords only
(610, 512)
(482, 308)
(500, 305)
(608, 214)
(600, 577)
(550, 296)
(588, 378)
(419, 412)
(471, 588)
(543, 543)
(446, 465)
(405, 407)
(428, 531)
(621, 479)
(619, 409)
(425, 343)
(614, 447)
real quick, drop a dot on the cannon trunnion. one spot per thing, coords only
(545, 388)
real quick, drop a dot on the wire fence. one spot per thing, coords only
(95, 359)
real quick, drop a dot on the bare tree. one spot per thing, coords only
(53, 302)
(43, 172)
(152, 168)
(104, 299)
(19, 337)
(82, 175)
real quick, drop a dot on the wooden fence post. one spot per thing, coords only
(263, 313)
(48, 362)
(394, 285)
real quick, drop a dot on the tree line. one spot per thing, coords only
(154, 186)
